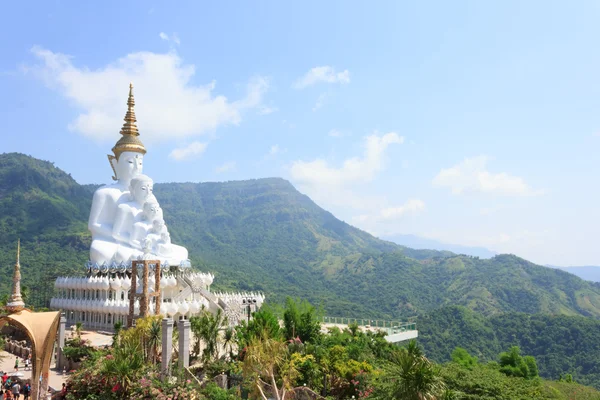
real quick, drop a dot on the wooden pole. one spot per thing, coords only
(132, 294)
(157, 288)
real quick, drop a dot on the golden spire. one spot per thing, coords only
(15, 304)
(129, 140)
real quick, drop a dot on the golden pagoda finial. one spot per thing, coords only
(15, 303)
(129, 140)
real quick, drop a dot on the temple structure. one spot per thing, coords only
(15, 303)
(132, 257)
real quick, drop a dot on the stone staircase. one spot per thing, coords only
(189, 287)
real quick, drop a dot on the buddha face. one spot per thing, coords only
(153, 212)
(141, 188)
(129, 165)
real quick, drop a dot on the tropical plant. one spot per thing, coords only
(206, 328)
(154, 339)
(229, 341)
(410, 376)
(78, 328)
(266, 363)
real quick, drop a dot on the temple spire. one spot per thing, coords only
(129, 140)
(129, 127)
(16, 304)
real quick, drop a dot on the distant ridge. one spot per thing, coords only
(417, 242)
(589, 272)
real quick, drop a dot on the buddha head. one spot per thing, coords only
(128, 165)
(140, 188)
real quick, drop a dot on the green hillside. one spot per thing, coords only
(265, 235)
(560, 343)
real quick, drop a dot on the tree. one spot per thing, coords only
(462, 357)
(206, 328)
(265, 364)
(154, 339)
(264, 323)
(300, 320)
(228, 340)
(410, 376)
(123, 367)
(512, 364)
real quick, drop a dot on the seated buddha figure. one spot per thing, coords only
(117, 207)
(151, 236)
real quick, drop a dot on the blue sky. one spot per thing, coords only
(474, 123)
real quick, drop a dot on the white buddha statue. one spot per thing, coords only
(119, 207)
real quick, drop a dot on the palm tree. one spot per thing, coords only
(228, 339)
(411, 376)
(206, 328)
(266, 363)
(123, 367)
(154, 339)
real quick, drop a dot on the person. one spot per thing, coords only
(8, 384)
(26, 391)
(17, 364)
(8, 395)
(26, 364)
(4, 378)
(16, 391)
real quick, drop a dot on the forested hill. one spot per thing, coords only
(561, 344)
(264, 235)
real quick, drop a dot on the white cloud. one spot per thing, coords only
(174, 38)
(335, 133)
(189, 151)
(344, 188)
(265, 110)
(320, 101)
(318, 172)
(471, 176)
(390, 214)
(274, 149)
(227, 167)
(326, 74)
(168, 105)
(412, 206)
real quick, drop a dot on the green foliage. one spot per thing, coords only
(462, 357)
(560, 344)
(206, 328)
(486, 382)
(77, 349)
(214, 392)
(263, 324)
(410, 376)
(300, 320)
(513, 364)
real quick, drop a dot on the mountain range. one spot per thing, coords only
(265, 235)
